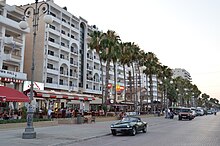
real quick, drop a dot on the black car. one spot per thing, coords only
(129, 125)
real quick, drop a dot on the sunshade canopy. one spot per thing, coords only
(13, 95)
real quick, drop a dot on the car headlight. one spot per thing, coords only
(112, 126)
(128, 126)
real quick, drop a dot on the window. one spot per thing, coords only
(5, 67)
(61, 70)
(50, 52)
(63, 32)
(71, 72)
(61, 56)
(61, 81)
(72, 48)
(62, 44)
(71, 60)
(49, 80)
(70, 83)
(52, 27)
(51, 39)
(50, 66)
(63, 20)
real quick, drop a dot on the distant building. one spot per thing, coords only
(179, 72)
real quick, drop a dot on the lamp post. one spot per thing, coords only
(29, 132)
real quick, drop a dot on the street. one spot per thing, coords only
(201, 131)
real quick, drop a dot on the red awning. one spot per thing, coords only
(13, 95)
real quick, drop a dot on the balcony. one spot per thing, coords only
(13, 58)
(54, 58)
(54, 44)
(14, 42)
(53, 71)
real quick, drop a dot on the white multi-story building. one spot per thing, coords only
(179, 72)
(143, 88)
(12, 46)
(69, 70)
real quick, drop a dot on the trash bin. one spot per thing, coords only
(79, 119)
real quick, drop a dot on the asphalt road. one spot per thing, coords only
(201, 131)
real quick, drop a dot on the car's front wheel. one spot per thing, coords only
(114, 132)
(133, 131)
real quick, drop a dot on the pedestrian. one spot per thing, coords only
(49, 113)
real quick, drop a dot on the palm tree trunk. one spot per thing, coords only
(151, 93)
(135, 97)
(115, 82)
(140, 89)
(125, 86)
(103, 100)
(107, 81)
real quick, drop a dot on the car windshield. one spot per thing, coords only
(129, 119)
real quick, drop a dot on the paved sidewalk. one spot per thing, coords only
(57, 135)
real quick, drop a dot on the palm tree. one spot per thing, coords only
(165, 75)
(134, 58)
(205, 99)
(110, 42)
(125, 61)
(196, 92)
(96, 42)
(151, 65)
(116, 53)
(140, 64)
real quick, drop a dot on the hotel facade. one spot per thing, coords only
(12, 46)
(67, 69)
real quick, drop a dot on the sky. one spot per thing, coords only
(182, 33)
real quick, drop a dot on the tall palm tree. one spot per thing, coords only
(96, 42)
(125, 61)
(116, 53)
(134, 58)
(140, 64)
(165, 75)
(151, 65)
(110, 42)
(196, 93)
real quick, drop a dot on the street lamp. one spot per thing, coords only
(29, 132)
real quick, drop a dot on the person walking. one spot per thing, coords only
(49, 113)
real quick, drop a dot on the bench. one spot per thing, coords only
(89, 119)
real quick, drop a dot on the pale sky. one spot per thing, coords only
(182, 33)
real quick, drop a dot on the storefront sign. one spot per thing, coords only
(37, 85)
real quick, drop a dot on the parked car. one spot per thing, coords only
(209, 112)
(194, 114)
(200, 112)
(185, 113)
(129, 125)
